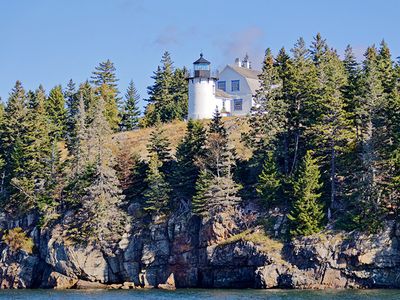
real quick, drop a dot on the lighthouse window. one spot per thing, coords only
(198, 67)
(235, 85)
(222, 85)
(237, 104)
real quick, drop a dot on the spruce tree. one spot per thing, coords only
(131, 110)
(307, 215)
(331, 131)
(55, 109)
(109, 95)
(101, 219)
(157, 193)
(168, 95)
(14, 127)
(104, 74)
(216, 189)
(318, 49)
(268, 117)
(269, 185)
(159, 144)
(188, 152)
(72, 103)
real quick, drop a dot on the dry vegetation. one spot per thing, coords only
(17, 239)
(259, 238)
(136, 141)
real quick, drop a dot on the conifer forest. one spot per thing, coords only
(324, 137)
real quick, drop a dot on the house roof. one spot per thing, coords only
(248, 73)
(221, 94)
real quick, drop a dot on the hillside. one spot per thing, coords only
(137, 140)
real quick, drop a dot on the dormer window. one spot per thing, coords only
(235, 86)
(222, 85)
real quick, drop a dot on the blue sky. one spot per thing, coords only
(50, 41)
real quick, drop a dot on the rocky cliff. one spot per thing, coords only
(184, 251)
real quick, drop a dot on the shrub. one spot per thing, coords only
(17, 239)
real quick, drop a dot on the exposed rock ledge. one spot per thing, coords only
(185, 253)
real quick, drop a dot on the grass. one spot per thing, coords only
(259, 238)
(136, 141)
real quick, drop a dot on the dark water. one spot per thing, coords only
(198, 294)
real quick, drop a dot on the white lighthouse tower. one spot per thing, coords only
(202, 101)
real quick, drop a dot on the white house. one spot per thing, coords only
(231, 91)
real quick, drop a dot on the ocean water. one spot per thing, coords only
(198, 294)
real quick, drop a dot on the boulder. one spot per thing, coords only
(59, 281)
(89, 285)
(169, 283)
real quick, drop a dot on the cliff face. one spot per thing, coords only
(214, 254)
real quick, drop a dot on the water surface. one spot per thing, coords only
(198, 294)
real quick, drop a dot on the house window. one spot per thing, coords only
(222, 85)
(237, 104)
(235, 86)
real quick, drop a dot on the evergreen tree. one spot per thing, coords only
(159, 144)
(180, 92)
(385, 68)
(131, 111)
(318, 49)
(104, 74)
(14, 127)
(101, 219)
(157, 194)
(268, 117)
(55, 109)
(188, 152)
(109, 95)
(215, 188)
(307, 214)
(72, 103)
(331, 131)
(351, 90)
(168, 95)
(135, 183)
(367, 211)
(269, 185)
(300, 92)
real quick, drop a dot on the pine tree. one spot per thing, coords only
(109, 95)
(188, 152)
(104, 74)
(216, 189)
(167, 96)
(131, 111)
(351, 90)
(318, 49)
(216, 125)
(14, 127)
(159, 144)
(307, 215)
(180, 92)
(55, 109)
(41, 153)
(72, 103)
(268, 117)
(200, 205)
(385, 68)
(157, 194)
(101, 219)
(269, 185)
(300, 92)
(331, 131)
